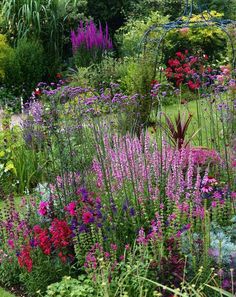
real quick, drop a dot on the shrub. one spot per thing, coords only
(138, 80)
(45, 21)
(9, 100)
(26, 66)
(190, 70)
(10, 140)
(109, 70)
(5, 52)
(130, 35)
(211, 40)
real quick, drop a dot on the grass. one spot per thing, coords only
(4, 293)
(204, 117)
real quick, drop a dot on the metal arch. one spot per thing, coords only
(180, 23)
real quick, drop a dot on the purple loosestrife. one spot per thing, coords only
(151, 175)
(89, 43)
(89, 36)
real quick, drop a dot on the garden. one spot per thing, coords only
(117, 148)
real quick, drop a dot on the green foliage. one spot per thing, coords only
(10, 140)
(45, 272)
(9, 270)
(9, 100)
(44, 21)
(109, 70)
(137, 80)
(74, 12)
(30, 168)
(5, 52)
(112, 12)
(210, 40)
(172, 8)
(21, 169)
(70, 287)
(129, 36)
(126, 279)
(116, 12)
(231, 44)
(25, 67)
(139, 75)
(227, 7)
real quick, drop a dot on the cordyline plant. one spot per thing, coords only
(177, 129)
(89, 43)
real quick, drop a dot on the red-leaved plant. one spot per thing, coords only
(177, 129)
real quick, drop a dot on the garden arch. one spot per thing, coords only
(184, 21)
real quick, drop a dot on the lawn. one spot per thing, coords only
(4, 293)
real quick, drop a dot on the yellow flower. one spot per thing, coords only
(10, 166)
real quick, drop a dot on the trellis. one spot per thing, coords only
(184, 21)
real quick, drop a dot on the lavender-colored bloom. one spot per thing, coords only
(36, 111)
(132, 212)
(82, 229)
(84, 194)
(33, 243)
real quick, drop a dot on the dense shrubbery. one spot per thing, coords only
(5, 52)
(130, 35)
(210, 40)
(25, 67)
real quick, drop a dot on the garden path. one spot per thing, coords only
(16, 119)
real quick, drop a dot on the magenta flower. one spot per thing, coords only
(233, 195)
(43, 208)
(127, 247)
(113, 247)
(214, 204)
(217, 195)
(71, 208)
(107, 255)
(207, 189)
(11, 243)
(87, 217)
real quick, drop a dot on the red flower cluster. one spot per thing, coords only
(42, 239)
(61, 234)
(24, 258)
(55, 238)
(185, 69)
